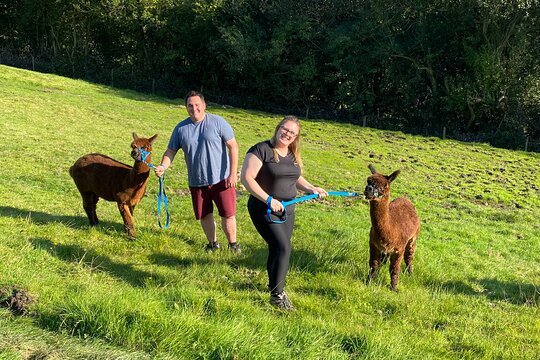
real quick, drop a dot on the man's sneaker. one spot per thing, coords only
(213, 246)
(235, 248)
(281, 301)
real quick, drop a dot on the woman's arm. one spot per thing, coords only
(250, 168)
(304, 185)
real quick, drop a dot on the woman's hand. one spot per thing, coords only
(276, 206)
(320, 191)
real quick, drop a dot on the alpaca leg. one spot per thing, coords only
(89, 206)
(94, 214)
(409, 255)
(395, 266)
(374, 262)
(129, 227)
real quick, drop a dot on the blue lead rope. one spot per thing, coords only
(162, 196)
(283, 217)
(343, 193)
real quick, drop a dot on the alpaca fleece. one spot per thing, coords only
(99, 176)
(394, 227)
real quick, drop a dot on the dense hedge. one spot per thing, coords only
(470, 66)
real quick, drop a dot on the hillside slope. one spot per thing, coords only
(475, 293)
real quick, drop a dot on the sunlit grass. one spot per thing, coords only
(475, 292)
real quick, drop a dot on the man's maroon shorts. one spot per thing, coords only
(202, 198)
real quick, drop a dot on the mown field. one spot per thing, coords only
(475, 293)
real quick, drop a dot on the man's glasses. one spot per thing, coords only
(290, 132)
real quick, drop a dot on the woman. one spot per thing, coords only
(272, 172)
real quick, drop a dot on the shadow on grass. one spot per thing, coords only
(174, 261)
(248, 267)
(497, 290)
(254, 259)
(92, 260)
(300, 260)
(42, 218)
(305, 261)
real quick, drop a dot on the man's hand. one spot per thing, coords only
(159, 170)
(231, 180)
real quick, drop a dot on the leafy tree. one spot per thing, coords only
(470, 66)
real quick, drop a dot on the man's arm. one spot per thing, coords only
(232, 145)
(166, 161)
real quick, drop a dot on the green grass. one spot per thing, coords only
(475, 293)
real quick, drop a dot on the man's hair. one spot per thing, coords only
(194, 93)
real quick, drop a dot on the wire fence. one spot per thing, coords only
(119, 77)
(127, 78)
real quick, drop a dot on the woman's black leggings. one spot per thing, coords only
(278, 237)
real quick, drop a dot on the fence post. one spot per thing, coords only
(112, 77)
(364, 119)
(153, 86)
(444, 132)
(33, 64)
(526, 143)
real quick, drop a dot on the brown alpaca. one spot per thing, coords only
(99, 176)
(394, 227)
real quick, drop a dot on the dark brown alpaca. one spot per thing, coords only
(99, 176)
(394, 227)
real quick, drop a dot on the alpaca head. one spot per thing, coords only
(378, 185)
(139, 144)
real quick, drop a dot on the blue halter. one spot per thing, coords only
(144, 155)
(283, 217)
(162, 196)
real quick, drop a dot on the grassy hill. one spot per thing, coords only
(475, 293)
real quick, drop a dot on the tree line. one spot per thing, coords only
(468, 67)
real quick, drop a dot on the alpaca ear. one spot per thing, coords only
(152, 139)
(135, 136)
(372, 169)
(393, 175)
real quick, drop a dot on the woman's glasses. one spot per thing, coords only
(290, 132)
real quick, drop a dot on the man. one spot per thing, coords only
(212, 174)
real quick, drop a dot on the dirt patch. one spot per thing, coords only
(15, 299)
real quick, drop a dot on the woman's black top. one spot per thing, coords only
(277, 179)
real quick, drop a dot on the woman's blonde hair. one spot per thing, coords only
(294, 147)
